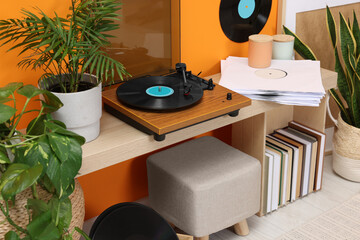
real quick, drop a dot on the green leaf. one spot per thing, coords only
(34, 153)
(355, 97)
(36, 126)
(60, 145)
(61, 124)
(57, 128)
(30, 91)
(47, 184)
(11, 235)
(6, 112)
(356, 33)
(347, 42)
(17, 178)
(343, 82)
(5, 100)
(331, 26)
(342, 108)
(82, 233)
(68, 191)
(37, 206)
(62, 173)
(357, 68)
(53, 103)
(61, 212)
(9, 89)
(42, 228)
(300, 47)
(4, 130)
(3, 156)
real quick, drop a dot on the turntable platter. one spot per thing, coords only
(158, 93)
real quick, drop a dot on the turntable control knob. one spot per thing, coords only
(229, 96)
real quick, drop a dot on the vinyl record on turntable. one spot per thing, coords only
(241, 18)
(158, 93)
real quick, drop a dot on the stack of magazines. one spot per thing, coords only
(290, 82)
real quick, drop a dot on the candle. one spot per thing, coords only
(260, 50)
(283, 47)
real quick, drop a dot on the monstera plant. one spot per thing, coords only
(346, 46)
(45, 156)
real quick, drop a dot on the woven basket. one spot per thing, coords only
(346, 154)
(19, 215)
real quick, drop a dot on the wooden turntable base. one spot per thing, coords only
(213, 104)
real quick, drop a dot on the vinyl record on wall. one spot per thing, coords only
(241, 18)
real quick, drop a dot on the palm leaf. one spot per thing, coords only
(107, 69)
(103, 62)
(70, 44)
(94, 63)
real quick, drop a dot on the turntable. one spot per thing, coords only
(158, 105)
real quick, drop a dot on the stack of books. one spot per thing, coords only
(293, 165)
(287, 82)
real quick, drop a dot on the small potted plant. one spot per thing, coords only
(37, 170)
(70, 50)
(346, 46)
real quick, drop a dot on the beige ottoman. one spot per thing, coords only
(204, 185)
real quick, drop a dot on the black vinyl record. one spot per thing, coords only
(241, 18)
(158, 93)
(131, 221)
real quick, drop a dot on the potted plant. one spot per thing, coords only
(346, 45)
(70, 51)
(37, 170)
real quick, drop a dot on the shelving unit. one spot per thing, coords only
(119, 142)
(254, 129)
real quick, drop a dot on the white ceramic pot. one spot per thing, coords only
(82, 111)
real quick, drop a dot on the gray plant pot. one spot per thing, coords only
(82, 111)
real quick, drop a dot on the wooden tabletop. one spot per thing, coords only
(213, 103)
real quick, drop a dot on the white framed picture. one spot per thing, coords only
(292, 7)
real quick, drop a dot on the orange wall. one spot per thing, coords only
(203, 43)
(202, 46)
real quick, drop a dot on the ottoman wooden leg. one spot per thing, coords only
(202, 238)
(241, 228)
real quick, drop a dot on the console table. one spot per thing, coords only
(119, 142)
